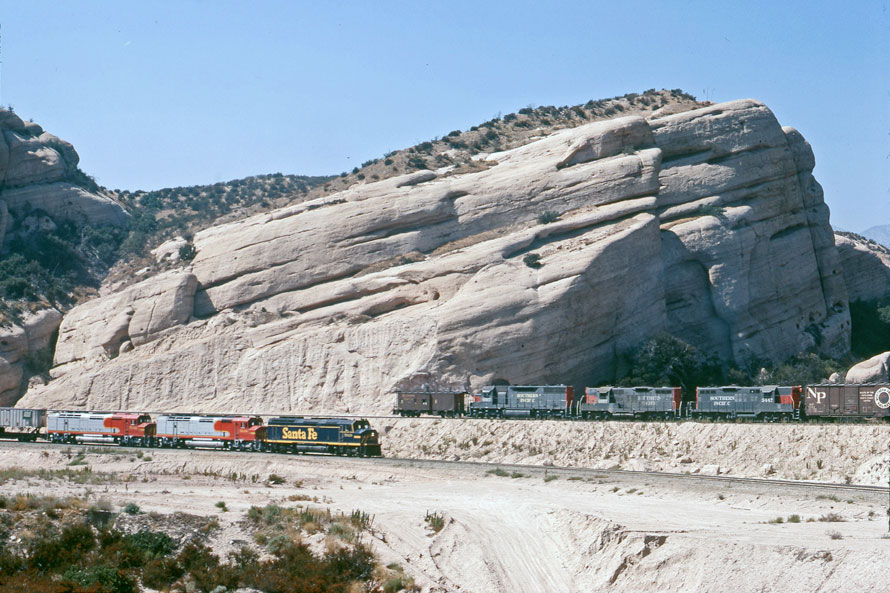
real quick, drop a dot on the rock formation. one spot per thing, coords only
(866, 267)
(38, 190)
(707, 224)
(873, 370)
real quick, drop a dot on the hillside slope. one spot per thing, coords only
(540, 263)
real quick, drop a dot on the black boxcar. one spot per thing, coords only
(439, 403)
(848, 401)
(340, 436)
(769, 403)
(523, 400)
(631, 402)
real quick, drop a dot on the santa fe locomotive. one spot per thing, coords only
(282, 434)
(773, 403)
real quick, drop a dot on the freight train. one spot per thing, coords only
(283, 434)
(773, 403)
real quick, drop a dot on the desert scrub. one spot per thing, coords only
(548, 217)
(497, 472)
(435, 521)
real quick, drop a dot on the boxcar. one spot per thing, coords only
(631, 402)
(340, 436)
(770, 403)
(848, 401)
(523, 400)
(123, 428)
(439, 403)
(21, 424)
(228, 432)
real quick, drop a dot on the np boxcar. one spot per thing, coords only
(769, 403)
(123, 428)
(340, 436)
(631, 402)
(244, 433)
(21, 424)
(438, 403)
(848, 401)
(533, 401)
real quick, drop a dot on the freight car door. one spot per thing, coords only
(851, 400)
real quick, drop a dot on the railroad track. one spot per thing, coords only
(562, 471)
(590, 472)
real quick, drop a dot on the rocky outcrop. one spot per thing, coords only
(32, 335)
(37, 172)
(866, 267)
(38, 191)
(707, 224)
(873, 370)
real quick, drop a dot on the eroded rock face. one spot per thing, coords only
(31, 336)
(37, 193)
(866, 268)
(706, 224)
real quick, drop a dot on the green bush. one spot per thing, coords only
(532, 260)
(548, 217)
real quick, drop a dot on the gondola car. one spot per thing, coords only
(535, 401)
(244, 433)
(848, 401)
(340, 436)
(438, 403)
(768, 403)
(601, 403)
(123, 428)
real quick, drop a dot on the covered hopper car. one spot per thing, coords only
(21, 424)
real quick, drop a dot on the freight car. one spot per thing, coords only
(244, 433)
(438, 403)
(767, 403)
(601, 403)
(340, 436)
(21, 424)
(136, 430)
(839, 401)
(533, 401)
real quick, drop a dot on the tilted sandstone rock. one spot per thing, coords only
(707, 224)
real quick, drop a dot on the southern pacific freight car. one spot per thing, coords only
(437, 403)
(341, 436)
(848, 401)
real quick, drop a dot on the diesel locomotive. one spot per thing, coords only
(283, 434)
(773, 403)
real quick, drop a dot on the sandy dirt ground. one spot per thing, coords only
(517, 530)
(855, 453)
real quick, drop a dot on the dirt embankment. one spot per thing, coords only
(853, 453)
(527, 531)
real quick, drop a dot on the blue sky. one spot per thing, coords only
(161, 94)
